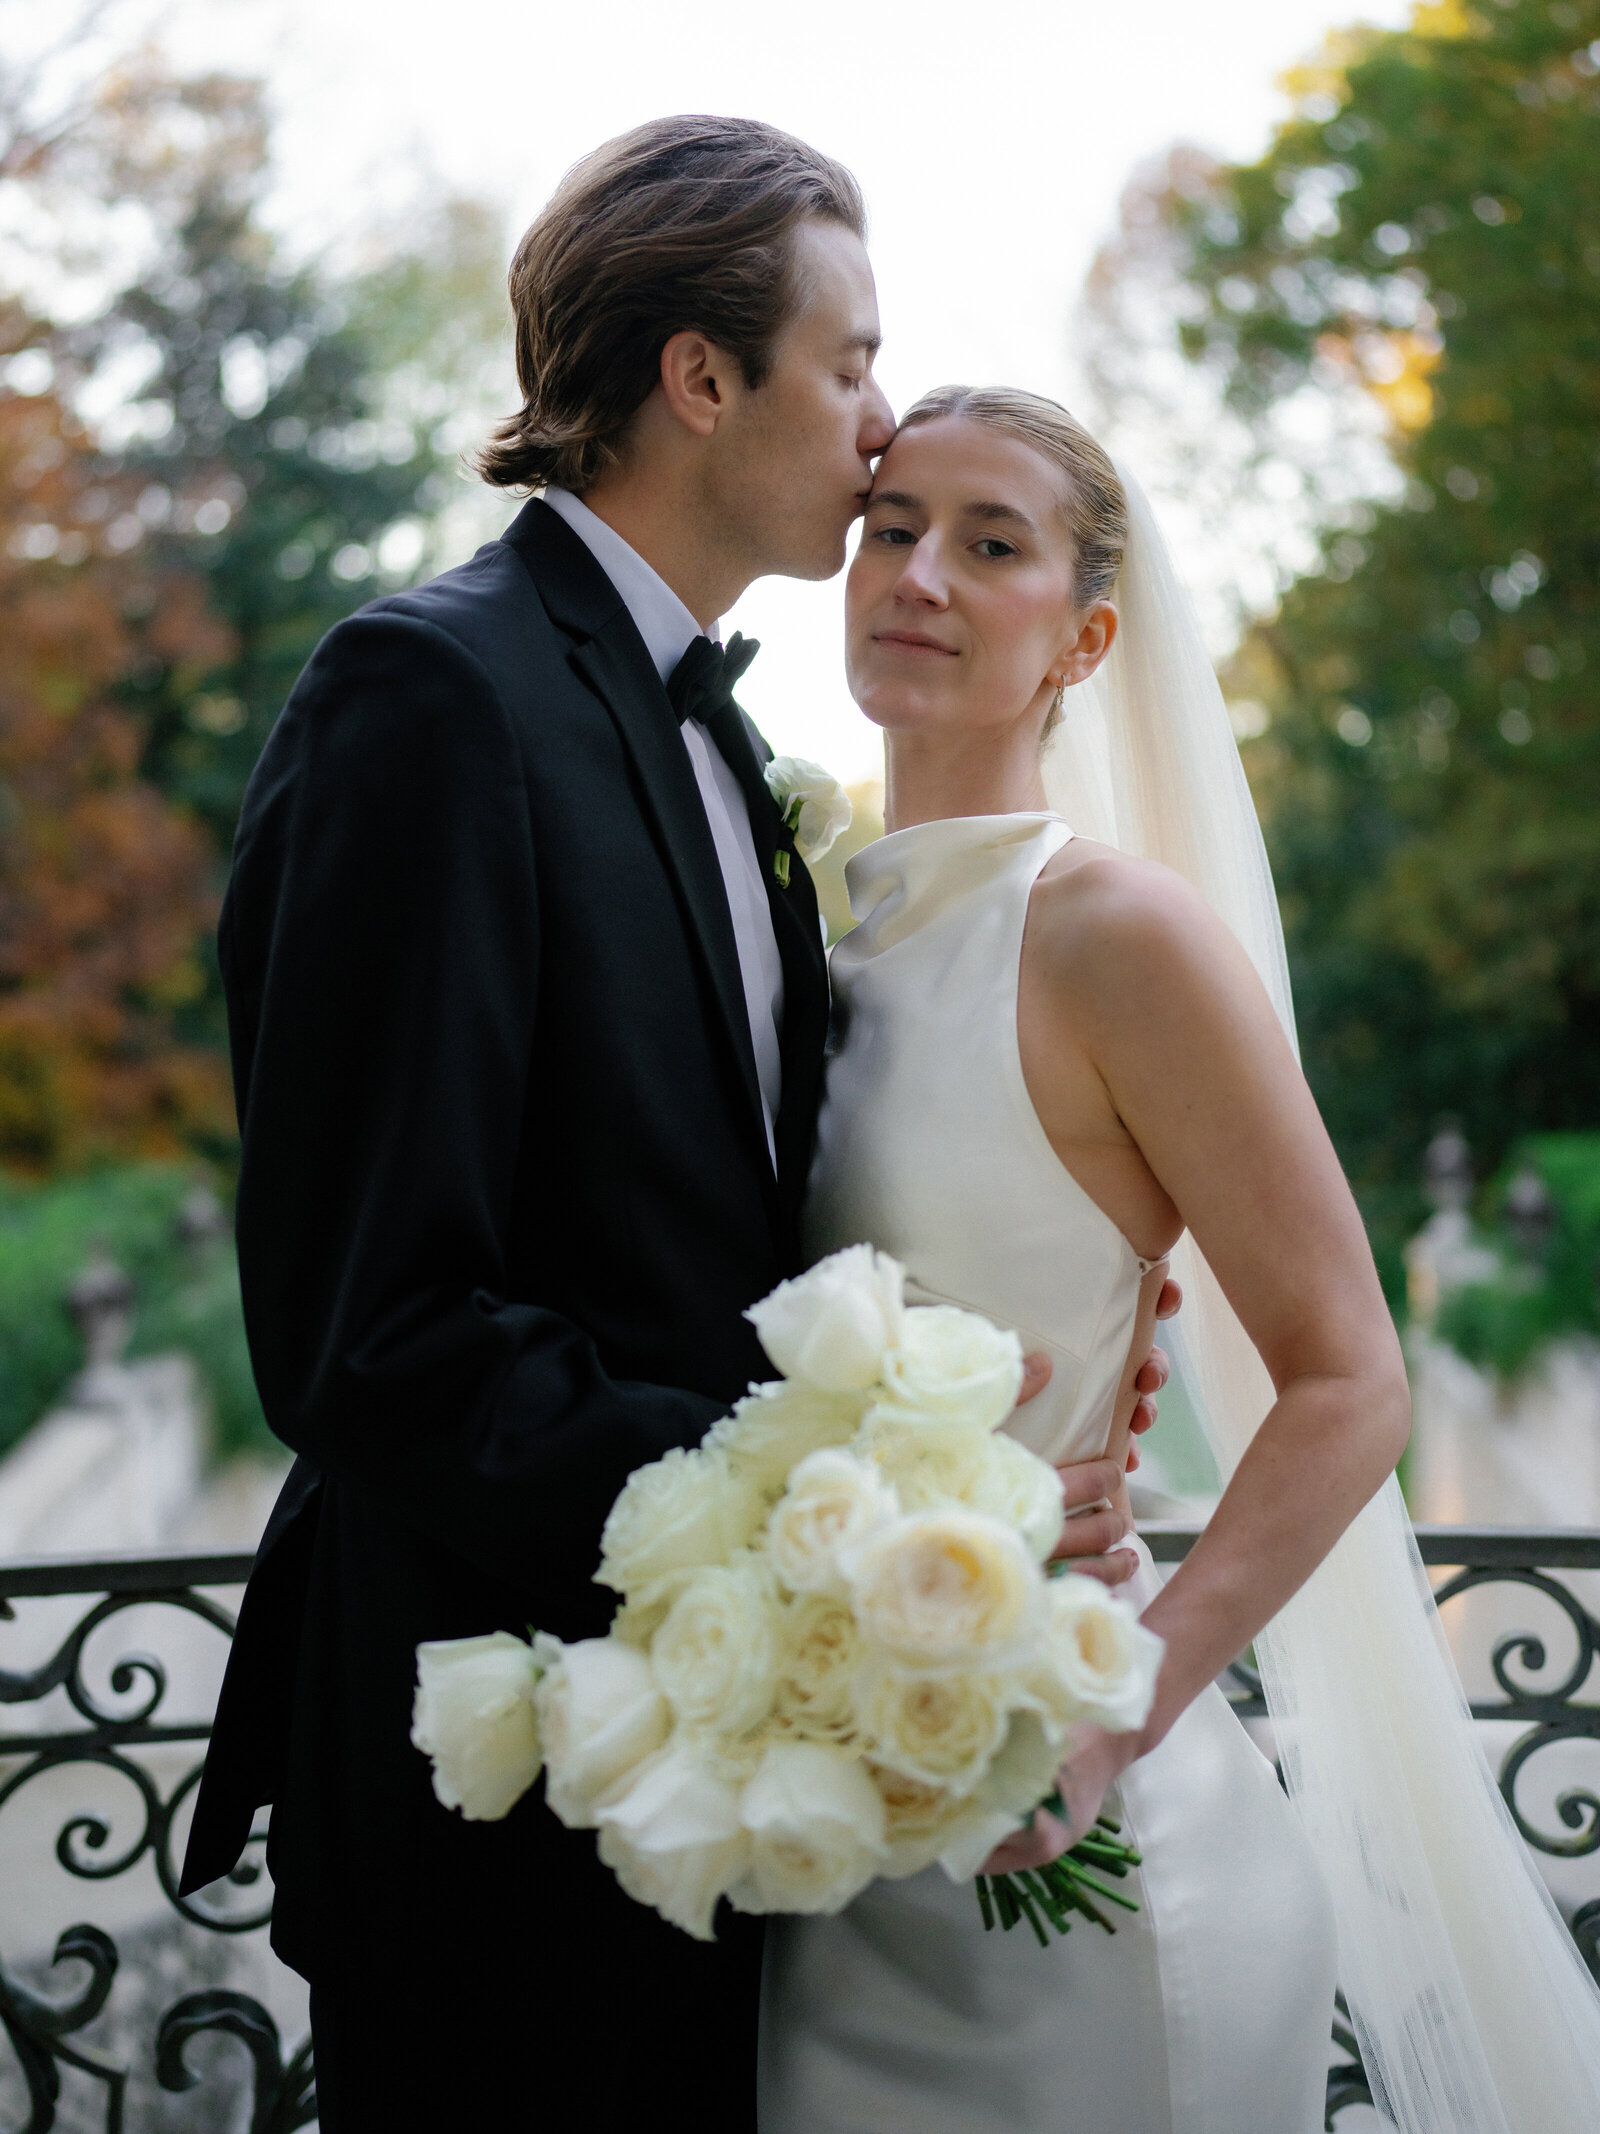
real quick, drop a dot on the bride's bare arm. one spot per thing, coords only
(1157, 1013)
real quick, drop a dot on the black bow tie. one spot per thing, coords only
(702, 684)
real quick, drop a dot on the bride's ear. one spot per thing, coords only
(1096, 632)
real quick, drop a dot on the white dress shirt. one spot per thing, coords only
(668, 630)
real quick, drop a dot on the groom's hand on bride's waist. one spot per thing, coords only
(1093, 1500)
(1096, 1519)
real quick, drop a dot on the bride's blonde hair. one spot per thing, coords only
(1094, 504)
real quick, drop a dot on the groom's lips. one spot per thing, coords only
(913, 641)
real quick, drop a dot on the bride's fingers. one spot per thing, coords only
(1112, 1570)
(1046, 1839)
(1170, 1299)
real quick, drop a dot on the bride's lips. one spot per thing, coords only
(913, 641)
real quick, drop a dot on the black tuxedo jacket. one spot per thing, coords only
(505, 1194)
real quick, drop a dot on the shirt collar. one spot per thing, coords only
(660, 617)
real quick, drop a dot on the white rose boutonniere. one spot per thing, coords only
(814, 804)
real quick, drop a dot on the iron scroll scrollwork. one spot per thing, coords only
(117, 1721)
(1546, 1712)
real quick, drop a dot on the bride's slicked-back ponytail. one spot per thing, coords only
(1096, 505)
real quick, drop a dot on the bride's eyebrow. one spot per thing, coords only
(1006, 514)
(896, 499)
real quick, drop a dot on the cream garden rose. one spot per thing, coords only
(833, 1502)
(601, 1713)
(822, 1650)
(816, 1827)
(834, 1326)
(716, 1656)
(941, 1729)
(474, 1716)
(1100, 1662)
(683, 1510)
(946, 1588)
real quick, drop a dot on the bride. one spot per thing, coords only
(1062, 1054)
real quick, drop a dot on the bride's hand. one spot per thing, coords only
(1082, 1781)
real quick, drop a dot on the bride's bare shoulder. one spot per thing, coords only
(1102, 923)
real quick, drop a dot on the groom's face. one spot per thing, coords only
(791, 470)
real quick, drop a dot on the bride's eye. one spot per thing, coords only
(894, 536)
(991, 547)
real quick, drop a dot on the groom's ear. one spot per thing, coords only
(697, 381)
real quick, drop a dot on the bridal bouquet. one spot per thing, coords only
(838, 1655)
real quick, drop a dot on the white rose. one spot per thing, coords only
(815, 805)
(954, 1365)
(474, 1716)
(822, 1652)
(1015, 1485)
(920, 1821)
(683, 1510)
(946, 1588)
(942, 1729)
(833, 1502)
(833, 1326)
(716, 1655)
(816, 1831)
(673, 1838)
(1099, 1661)
(773, 1428)
(1022, 1775)
(600, 1713)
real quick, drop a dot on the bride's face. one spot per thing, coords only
(959, 607)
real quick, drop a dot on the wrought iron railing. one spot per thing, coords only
(95, 1710)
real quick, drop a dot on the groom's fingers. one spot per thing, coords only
(1170, 1299)
(1036, 1369)
(1154, 1372)
(1089, 1482)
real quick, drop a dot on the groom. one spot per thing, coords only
(527, 1000)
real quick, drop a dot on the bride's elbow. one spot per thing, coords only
(1387, 1415)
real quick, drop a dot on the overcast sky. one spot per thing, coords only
(992, 142)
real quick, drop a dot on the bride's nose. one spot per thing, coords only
(922, 581)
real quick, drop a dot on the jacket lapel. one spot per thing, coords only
(610, 656)
(797, 925)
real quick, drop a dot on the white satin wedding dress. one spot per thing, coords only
(1209, 2010)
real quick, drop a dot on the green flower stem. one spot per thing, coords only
(1062, 1886)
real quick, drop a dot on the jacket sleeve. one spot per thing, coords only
(381, 949)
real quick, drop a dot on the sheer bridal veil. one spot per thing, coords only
(1475, 2012)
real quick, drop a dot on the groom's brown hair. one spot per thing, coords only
(684, 224)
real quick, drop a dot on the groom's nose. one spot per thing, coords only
(877, 422)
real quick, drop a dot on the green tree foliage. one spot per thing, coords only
(290, 426)
(186, 1292)
(1428, 227)
(1545, 1286)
